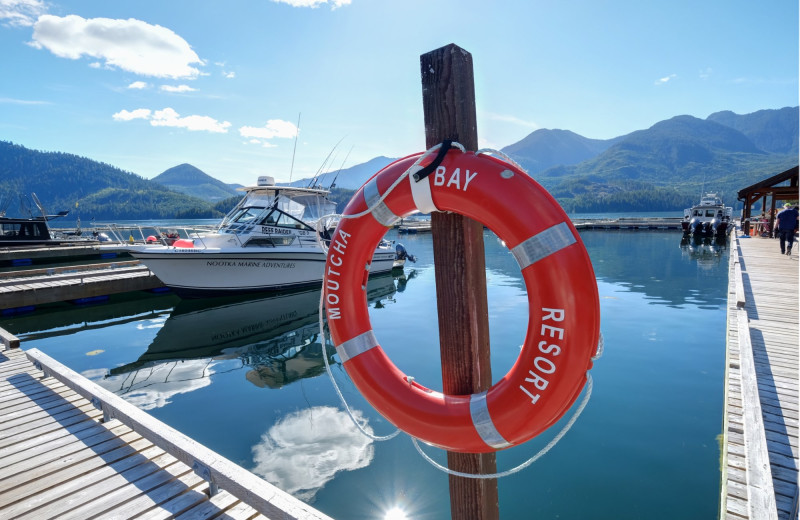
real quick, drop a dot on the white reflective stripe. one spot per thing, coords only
(381, 211)
(421, 191)
(546, 243)
(483, 422)
(355, 346)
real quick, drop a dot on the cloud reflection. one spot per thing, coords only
(304, 450)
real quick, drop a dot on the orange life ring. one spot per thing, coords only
(563, 305)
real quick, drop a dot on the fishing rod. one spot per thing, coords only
(296, 134)
(314, 178)
(333, 182)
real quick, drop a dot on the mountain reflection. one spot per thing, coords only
(276, 337)
(619, 257)
(303, 451)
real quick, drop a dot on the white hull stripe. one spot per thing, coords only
(355, 346)
(483, 422)
(421, 192)
(381, 212)
(544, 244)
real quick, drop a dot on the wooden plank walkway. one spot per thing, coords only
(66, 456)
(38, 287)
(760, 448)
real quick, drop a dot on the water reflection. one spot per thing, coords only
(707, 251)
(276, 338)
(303, 451)
(648, 262)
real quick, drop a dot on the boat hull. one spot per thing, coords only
(199, 273)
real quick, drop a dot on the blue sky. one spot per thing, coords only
(145, 85)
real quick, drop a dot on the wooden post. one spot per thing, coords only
(448, 99)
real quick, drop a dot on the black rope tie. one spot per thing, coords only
(424, 172)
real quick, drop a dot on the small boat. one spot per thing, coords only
(268, 242)
(709, 218)
(34, 230)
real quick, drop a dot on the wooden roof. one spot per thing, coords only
(767, 186)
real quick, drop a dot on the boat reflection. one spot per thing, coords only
(707, 251)
(276, 338)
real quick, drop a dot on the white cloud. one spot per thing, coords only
(335, 4)
(177, 88)
(274, 128)
(21, 13)
(139, 113)
(229, 75)
(13, 101)
(138, 85)
(169, 117)
(706, 73)
(665, 79)
(304, 450)
(131, 45)
(511, 119)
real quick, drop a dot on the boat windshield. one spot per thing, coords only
(278, 210)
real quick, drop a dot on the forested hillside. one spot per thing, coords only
(663, 168)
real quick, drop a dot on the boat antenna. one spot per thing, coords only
(333, 182)
(296, 134)
(321, 166)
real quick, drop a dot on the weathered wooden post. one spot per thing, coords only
(448, 99)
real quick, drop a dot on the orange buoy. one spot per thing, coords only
(183, 243)
(563, 304)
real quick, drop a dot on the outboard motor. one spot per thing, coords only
(402, 254)
(695, 227)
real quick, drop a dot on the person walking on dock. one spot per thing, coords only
(787, 225)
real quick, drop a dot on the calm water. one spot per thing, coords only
(247, 379)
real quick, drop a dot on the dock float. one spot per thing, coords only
(760, 430)
(23, 289)
(70, 449)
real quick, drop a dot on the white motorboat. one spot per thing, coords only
(268, 242)
(710, 218)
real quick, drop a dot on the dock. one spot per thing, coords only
(71, 449)
(24, 289)
(760, 423)
(631, 224)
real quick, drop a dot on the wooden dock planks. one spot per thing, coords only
(760, 449)
(58, 459)
(39, 289)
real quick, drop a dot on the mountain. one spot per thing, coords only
(348, 178)
(88, 188)
(662, 168)
(545, 149)
(669, 164)
(774, 131)
(187, 179)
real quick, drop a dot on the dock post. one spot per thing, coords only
(448, 98)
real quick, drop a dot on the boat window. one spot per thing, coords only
(710, 213)
(284, 220)
(248, 215)
(270, 241)
(698, 213)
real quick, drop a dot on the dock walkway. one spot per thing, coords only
(760, 448)
(70, 449)
(42, 286)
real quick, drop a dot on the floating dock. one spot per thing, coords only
(70, 449)
(25, 289)
(760, 434)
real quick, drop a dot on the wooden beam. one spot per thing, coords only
(219, 471)
(448, 99)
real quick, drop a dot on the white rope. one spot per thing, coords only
(492, 151)
(528, 462)
(543, 451)
(324, 248)
(336, 387)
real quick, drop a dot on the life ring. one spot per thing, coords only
(563, 304)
